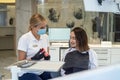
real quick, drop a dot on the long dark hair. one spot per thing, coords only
(81, 39)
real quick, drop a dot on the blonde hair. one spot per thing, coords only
(36, 20)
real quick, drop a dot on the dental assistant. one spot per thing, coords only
(34, 45)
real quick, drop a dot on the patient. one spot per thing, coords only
(79, 56)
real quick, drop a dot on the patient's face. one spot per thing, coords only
(72, 40)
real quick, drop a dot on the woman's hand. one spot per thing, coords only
(39, 55)
(46, 55)
(45, 52)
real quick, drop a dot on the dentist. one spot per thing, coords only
(34, 45)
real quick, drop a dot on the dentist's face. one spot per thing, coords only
(39, 28)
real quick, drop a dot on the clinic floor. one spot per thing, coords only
(7, 57)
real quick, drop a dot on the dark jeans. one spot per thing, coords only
(45, 76)
(32, 76)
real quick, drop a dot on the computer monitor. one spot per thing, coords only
(59, 34)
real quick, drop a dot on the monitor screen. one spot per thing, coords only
(59, 34)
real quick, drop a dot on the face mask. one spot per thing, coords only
(41, 31)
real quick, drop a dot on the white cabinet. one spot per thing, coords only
(108, 55)
(57, 53)
(115, 58)
(115, 55)
(54, 53)
(103, 55)
(62, 52)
